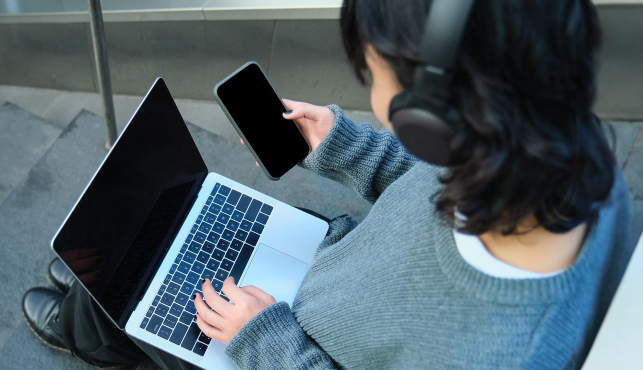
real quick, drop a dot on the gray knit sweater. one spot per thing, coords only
(393, 291)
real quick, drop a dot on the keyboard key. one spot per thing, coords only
(226, 264)
(262, 217)
(194, 247)
(218, 254)
(237, 216)
(189, 238)
(144, 323)
(217, 285)
(245, 225)
(223, 218)
(213, 238)
(173, 288)
(209, 201)
(218, 228)
(194, 227)
(223, 244)
(243, 203)
(193, 277)
(178, 259)
(236, 244)
(191, 336)
(219, 199)
(200, 348)
(200, 218)
(189, 257)
(167, 299)
(181, 299)
(224, 190)
(187, 288)
(234, 196)
(253, 210)
(233, 225)
(242, 261)
(231, 254)
(215, 209)
(221, 274)
(266, 209)
(189, 307)
(178, 333)
(203, 211)
(210, 218)
(208, 248)
(199, 237)
(216, 188)
(213, 264)
(184, 248)
(178, 278)
(203, 257)
(252, 239)
(173, 268)
(207, 274)
(176, 310)
(155, 324)
(186, 318)
(204, 338)
(198, 267)
(170, 321)
(184, 267)
(205, 228)
(161, 310)
(165, 332)
(227, 234)
(161, 289)
(149, 313)
(257, 227)
(156, 300)
(167, 279)
(227, 208)
(241, 235)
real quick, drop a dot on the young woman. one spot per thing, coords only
(507, 258)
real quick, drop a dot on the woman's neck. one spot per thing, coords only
(537, 250)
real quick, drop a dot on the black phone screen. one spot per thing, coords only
(257, 111)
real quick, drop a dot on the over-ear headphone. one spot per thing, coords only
(423, 120)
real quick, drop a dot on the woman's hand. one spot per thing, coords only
(314, 121)
(227, 318)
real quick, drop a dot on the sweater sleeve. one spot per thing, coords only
(359, 157)
(274, 340)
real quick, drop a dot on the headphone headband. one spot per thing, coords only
(443, 31)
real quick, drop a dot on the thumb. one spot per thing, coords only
(304, 110)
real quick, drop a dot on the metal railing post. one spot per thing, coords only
(102, 68)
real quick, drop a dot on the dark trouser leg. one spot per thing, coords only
(92, 337)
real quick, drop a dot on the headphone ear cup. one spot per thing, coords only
(423, 133)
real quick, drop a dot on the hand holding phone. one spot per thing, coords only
(314, 121)
(256, 112)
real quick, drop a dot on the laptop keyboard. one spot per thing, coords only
(220, 244)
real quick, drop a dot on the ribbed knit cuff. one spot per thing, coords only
(276, 335)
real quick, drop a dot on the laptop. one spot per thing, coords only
(153, 222)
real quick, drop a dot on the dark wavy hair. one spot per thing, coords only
(525, 83)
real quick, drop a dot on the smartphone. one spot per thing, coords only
(256, 112)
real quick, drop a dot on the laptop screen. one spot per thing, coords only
(124, 221)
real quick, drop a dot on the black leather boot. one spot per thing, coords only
(40, 309)
(60, 276)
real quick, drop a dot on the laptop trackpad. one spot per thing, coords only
(275, 273)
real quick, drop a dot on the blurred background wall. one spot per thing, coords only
(195, 43)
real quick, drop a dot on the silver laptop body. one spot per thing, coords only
(230, 229)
